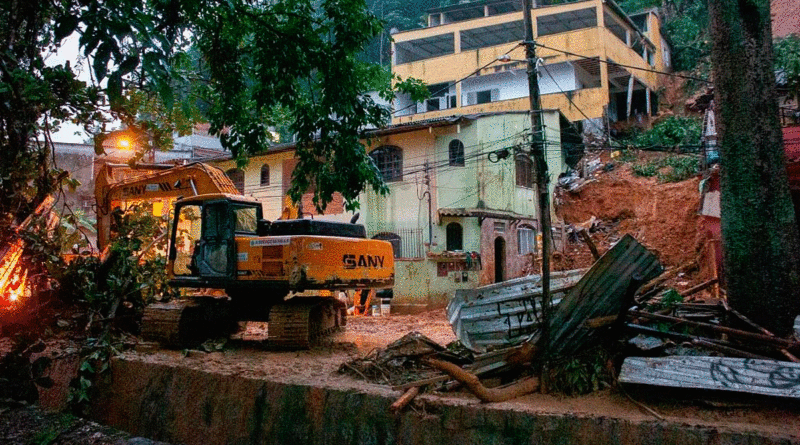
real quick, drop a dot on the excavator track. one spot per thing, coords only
(300, 322)
(184, 323)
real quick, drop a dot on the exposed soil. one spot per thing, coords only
(663, 217)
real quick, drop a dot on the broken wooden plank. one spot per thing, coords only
(404, 400)
(763, 377)
(699, 287)
(589, 243)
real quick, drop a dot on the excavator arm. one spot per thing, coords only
(116, 184)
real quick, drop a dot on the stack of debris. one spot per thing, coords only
(622, 295)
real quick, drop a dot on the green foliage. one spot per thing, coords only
(648, 169)
(631, 6)
(673, 168)
(134, 272)
(132, 276)
(583, 374)
(685, 23)
(401, 15)
(680, 168)
(670, 132)
(96, 356)
(787, 61)
(34, 98)
(687, 27)
(248, 68)
(669, 299)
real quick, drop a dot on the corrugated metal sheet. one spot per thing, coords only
(503, 314)
(507, 313)
(601, 292)
(764, 377)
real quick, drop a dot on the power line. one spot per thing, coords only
(682, 76)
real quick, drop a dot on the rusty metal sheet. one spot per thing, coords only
(506, 313)
(600, 292)
(754, 376)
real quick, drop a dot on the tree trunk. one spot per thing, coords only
(761, 251)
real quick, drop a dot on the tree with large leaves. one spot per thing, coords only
(247, 65)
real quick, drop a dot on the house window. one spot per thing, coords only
(526, 240)
(237, 178)
(456, 153)
(524, 171)
(483, 97)
(389, 161)
(392, 238)
(265, 175)
(455, 237)
(500, 227)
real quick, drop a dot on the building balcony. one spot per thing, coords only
(588, 101)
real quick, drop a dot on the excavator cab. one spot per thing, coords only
(203, 240)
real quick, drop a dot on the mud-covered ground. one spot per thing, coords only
(320, 366)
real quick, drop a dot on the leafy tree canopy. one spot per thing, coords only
(685, 23)
(243, 65)
(787, 61)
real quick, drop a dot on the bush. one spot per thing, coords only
(680, 167)
(672, 131)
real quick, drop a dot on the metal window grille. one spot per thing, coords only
(407, 243)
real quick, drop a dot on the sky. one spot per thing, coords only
(69, 51)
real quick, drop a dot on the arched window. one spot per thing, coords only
(389, 160)
(524, 171)
(394, 239)
(455, 237)
(265, 175)
(237, 177)
(456, 153)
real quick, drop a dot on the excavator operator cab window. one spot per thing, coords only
(246, 220)
(187, 234)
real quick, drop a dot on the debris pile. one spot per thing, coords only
(622, 303)
(401, 361)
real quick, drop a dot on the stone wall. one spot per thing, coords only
(180, 405)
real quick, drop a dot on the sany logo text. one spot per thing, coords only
(351, 261)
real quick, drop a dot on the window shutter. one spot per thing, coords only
(495, 94)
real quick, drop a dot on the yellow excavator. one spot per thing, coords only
(284, 272)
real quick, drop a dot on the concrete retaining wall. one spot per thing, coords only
(180, 405)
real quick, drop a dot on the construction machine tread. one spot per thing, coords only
(300, 322)
(186, 323)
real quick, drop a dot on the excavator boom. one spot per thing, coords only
(118, 184)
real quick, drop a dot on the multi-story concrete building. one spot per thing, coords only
(461, 210)
(594, 60)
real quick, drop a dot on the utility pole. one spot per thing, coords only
(540, 170)
(427, 182)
